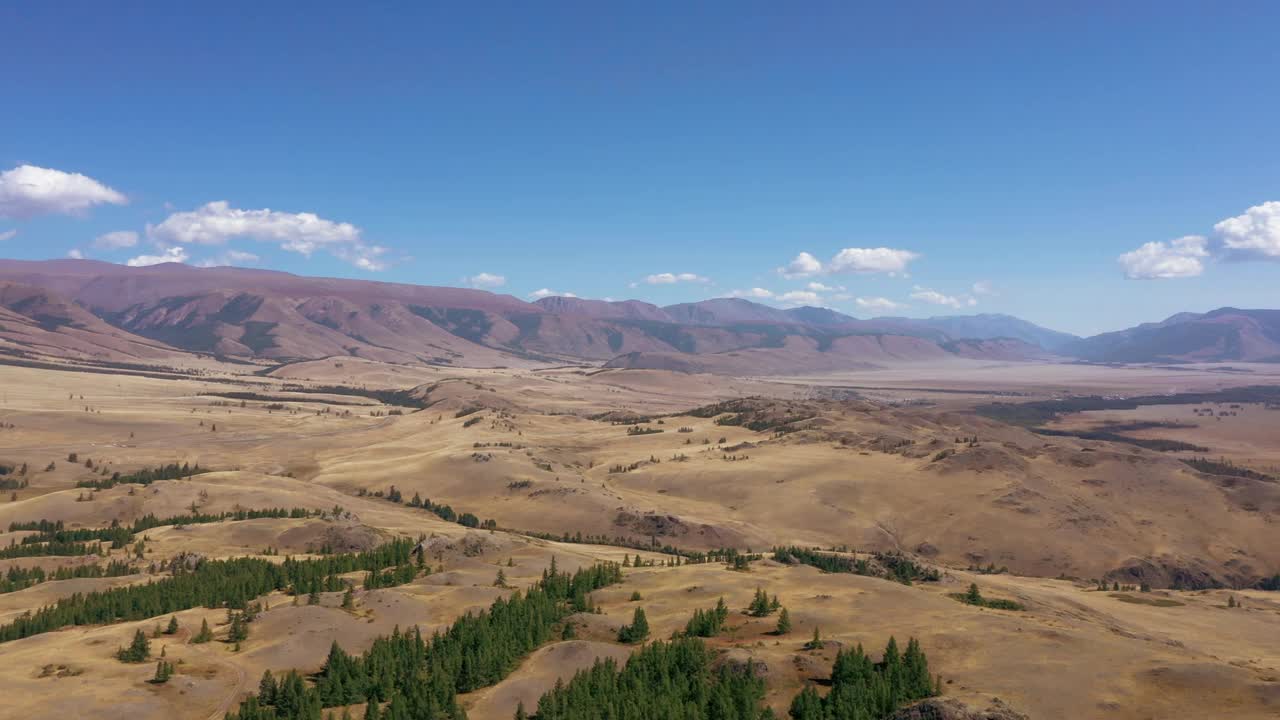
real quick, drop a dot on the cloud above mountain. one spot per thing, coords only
(217, 223)
(27, 191)
(1250, 236)
(884, 260)
(1181, 258)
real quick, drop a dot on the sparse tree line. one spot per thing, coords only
(444, 512)
(404, 676)
(896, 567)
(172, 471)
(231, 583)
(974, 597)
(52, 538)
(17, 578)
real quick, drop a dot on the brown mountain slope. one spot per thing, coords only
(1225, 334)
(267, 315)
(34, 321)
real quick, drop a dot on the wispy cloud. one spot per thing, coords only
(230, 258)
(174, 254)
(757, 293)
(486, 280)
(878, 304)
(116, 240)
(934, 297)
(667, 278)
(548, 292)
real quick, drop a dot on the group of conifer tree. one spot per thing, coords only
(231, 583)
(665, 679)
(406, 677)
(865, 690)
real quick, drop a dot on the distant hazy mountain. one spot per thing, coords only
(88, 309)
(604, 309)
(992, 326)
(1225, 334)
(726, 311)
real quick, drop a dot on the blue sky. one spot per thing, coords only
(997, 159)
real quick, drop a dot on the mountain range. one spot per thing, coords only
(89, 310)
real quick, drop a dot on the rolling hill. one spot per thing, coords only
(88, 309)
(1225, 334)
(279, 317)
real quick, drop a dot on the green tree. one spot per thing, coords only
(637, 631)
(816, 642)
(205, 634)
(784, 623)
(973, 597)
(138, 651)
(172, 629)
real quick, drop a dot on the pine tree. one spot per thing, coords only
(239, 629)
(138, 651)
(172, 629)
(784, 623)
(348, 599)
(267, 689)
(501, 580)
(816, 642)
(973, 597)
(637, 631)
(205, 634)
(164, 670)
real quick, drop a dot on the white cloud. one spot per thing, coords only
(27, 190)
(759, 293)
(75, 254)
(8, 235)
(799, 297)
(871, 260)
(878, 304)
(116, 240)
(983, 287)
(804, 265)
(230, 258)
(850, 260)
(936, 298)
(1255, 234)
(217, 222)
(819, 287)
(486, 280)
(1181, 258)
(673, 278)
(364, 257)
(175, 254)
(547, 292)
